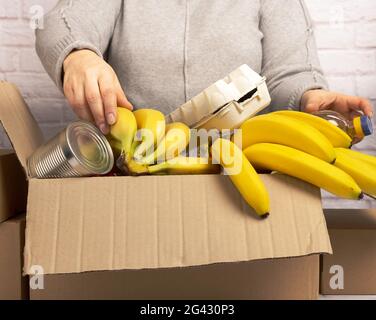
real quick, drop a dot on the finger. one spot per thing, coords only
(359, 104)
(312, 107)
(109, 99)
(94, 100)
(122, 100)
(76, 98)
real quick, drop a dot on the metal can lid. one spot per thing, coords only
(90, 147)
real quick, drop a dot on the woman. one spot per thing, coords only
(162, 53)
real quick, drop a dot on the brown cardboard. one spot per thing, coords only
(351, 269)
(13, 186)
(18, 122)
(165, 223)
(93, 224)
(289, 278)
(13, 286)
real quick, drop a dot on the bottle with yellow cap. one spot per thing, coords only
(358, 128)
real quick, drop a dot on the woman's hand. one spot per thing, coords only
(93, 89)
(316, 100)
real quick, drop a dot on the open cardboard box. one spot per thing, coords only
(164, 237)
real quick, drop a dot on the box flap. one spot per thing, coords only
(19, 124)
(351, 218)
(114, 223)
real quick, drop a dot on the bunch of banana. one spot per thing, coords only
(337, 137)
(243, 175)
(184, 166)
(304, 166)
(359, 166)
(175, 141)
(309, 148)
(287, 131)
(141, 140)
(122, 133)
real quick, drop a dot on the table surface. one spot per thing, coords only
(322, 297)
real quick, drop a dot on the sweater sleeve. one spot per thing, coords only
(290, 59)
(70, 25)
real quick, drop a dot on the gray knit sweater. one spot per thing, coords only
(167, 51)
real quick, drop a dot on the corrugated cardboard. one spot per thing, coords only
(351, 269)
(13, 186)
(119, 223)
(13, 286)
(289, 278)
(170, 222)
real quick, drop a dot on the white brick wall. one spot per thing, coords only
(345, 32)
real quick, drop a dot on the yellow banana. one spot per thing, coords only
(305, 167)
(174, 142)
(122, 132)
(335, 135)
(371, 160)
(185, 165)
(286, 131)
(362, 172)
(242, 175)
(151, 129)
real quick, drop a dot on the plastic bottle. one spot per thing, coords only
(357, 129)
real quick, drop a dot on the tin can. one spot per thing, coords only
(79, 150)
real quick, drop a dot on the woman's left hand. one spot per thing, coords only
(316, 100)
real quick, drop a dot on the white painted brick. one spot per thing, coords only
(366, 35)
(366, 86)
(29, 61)
(35, 85)
(8, 59)
(46, 5)
(329, 37)
(16, 33)
(10, 8)
(342, 84)
(46, 110)
(347, 62)
(2, 76)
(337, 11)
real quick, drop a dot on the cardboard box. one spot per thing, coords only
(13, 286)
(164, 237)
(13, 186)
(351, 269)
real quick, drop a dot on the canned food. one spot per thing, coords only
(79, 150)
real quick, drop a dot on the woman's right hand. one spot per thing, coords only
(93, 89)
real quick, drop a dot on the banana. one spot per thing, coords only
(185, 165)
(122, 132)
(286, 131)
(305, 167)
(335, 135)
(242, 175)
(174, 142)
(362, 172)
(371, 160)
(151, 129)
